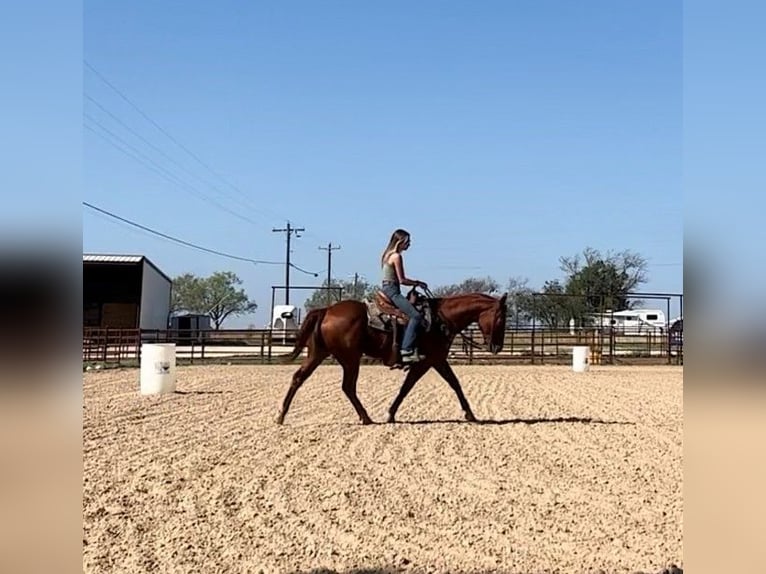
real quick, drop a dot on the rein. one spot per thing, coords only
(469, 343)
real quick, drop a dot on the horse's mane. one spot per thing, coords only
(477, 294)
(435, 302)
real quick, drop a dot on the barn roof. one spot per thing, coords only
(116, 258)
(98, 258)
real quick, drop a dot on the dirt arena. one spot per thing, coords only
(568, 472)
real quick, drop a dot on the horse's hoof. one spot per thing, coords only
(470, 418)
(280, 420)
(391, 419)
(367, 421)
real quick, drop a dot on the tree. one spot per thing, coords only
(551, 306)
(593, 283)
(519, 302)
(216, 296)
(357, 289)
(604, 281)
(470, 285)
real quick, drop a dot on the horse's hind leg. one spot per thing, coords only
(350, 376)
(308, 366)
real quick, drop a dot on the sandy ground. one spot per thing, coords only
(571, 472)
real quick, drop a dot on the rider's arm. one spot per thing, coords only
(398, 263)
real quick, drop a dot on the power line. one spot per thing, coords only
(161, 152)
(158, 126)
(176, 240)
(138, 156)
(294, 266)
(169, 136)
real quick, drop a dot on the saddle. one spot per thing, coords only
(387, 307)
(384, 315)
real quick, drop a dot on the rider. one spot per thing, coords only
(392, 263)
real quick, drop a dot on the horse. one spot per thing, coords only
(344, 331)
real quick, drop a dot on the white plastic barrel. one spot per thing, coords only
(580, 357)
(158, 368)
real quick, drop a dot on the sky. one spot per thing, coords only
(502, 135)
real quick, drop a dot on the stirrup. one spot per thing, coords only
(412, 357)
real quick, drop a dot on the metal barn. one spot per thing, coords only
(124, 292)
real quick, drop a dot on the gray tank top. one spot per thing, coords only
(389, 273)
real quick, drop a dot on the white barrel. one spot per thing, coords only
(580, 358)
(158, 368)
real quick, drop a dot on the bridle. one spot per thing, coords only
(494, 328)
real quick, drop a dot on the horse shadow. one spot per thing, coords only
(519, 421)
(354, 571)
(201, 392)
(671, 569)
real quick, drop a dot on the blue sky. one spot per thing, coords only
(502, 135)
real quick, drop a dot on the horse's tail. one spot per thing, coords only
(310, 327)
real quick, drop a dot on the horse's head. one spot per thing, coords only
(460, 311)
(491, 322)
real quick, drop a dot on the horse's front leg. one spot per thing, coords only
(415, 372)
(446, 372)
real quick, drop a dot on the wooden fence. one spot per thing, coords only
(264, 346)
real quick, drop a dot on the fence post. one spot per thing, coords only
(669, 347)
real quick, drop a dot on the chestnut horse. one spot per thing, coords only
(343, 331)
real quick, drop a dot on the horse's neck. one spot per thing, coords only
(461, 311)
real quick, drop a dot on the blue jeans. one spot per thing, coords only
(394, 293)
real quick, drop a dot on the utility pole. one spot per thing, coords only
(289, 230)
(356, 280)
(329, 250)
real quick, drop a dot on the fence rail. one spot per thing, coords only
(524, 345)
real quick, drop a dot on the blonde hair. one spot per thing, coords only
(398, 238)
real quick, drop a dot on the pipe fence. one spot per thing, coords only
(527, 345)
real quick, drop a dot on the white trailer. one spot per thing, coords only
(632, 321)
(284, 318)
(285, 321)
